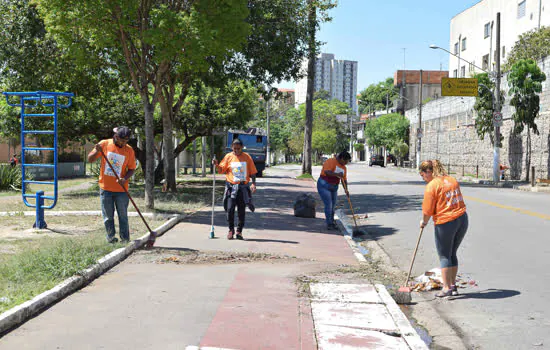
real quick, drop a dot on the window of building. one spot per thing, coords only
(521, 9)
(463, 71)
(456, 48)
(472, 67)
(487, 30)
(463, 44)
(485, 62)
(503, 51)
(455, 73)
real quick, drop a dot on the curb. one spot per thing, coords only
(408, 333)
(21, 313)
(81, 213)
(445, 330)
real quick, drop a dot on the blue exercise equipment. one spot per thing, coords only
(29, 100)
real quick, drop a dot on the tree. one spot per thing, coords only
(317, 13)
(400, 150)
(32, 61)
(207, 109)
(485, 107)
(359, 147)
(387, 131)
(525, 81)
(534, 44)
(321, 95)
(156, 44)
(378, 96)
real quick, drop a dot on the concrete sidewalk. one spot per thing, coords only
(194, 292)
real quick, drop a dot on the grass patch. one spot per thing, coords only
(36, 268)
(305, 176)
(32, 262)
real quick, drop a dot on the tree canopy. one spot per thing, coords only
(388, 130)
(376, 96)
(534, 44)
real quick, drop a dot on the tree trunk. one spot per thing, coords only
(528, 156)
(308, 132)
(150, 154)
(168, 147)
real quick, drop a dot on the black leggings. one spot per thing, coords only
(448, 237)
(241, 207)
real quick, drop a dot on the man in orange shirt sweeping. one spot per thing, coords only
(112, 194)
(239, 170)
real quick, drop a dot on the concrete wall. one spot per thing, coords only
(450, 136)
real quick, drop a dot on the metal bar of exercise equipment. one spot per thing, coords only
(29, 100)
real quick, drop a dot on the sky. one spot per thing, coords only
(374, 33)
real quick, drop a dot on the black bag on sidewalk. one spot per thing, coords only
(304, 206)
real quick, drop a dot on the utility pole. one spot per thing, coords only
(403, 84)
(419, 130)
(496, 150)
(351, 134)
(268, 141)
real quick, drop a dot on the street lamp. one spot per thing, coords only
(496, 100)
(435, 47)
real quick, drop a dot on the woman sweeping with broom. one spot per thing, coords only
(444, 202)
(334, 170)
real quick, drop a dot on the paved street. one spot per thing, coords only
(506, 251)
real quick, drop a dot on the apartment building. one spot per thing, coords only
(338, 77)
(473, 32)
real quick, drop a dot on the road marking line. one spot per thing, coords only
(517, 210)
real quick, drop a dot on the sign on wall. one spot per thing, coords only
(459, 87)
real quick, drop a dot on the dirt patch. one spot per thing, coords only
(189, 256)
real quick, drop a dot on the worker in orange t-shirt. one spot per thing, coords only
(111, 191)
(239, 170)
(334, 170)
(444, 202)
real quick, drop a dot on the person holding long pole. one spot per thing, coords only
(444, 202)
(334, 171)
(114, 187)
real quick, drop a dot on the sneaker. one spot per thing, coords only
(240, 236)
(230, 234)
(332, 227)
(454, 290)
(112, 240)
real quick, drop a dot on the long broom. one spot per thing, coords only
(152, 234)
(403, 295)
(356, 230)
(212, 235)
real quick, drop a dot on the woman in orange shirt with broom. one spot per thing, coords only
(444, 202)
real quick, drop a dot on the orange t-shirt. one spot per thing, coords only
(333, 165)
(443, 200)
(237, 169)
(122, 159)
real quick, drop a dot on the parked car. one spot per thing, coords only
(376, 160)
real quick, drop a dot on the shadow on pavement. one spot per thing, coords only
(375, 232)
(488, 294)
(372, 203)
(274, 204)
